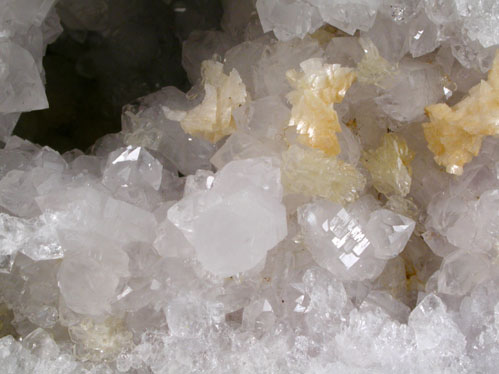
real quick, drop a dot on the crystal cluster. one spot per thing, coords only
(26, 29)
(313, 114)
(389, 166)
(322, 200)
(455, 134)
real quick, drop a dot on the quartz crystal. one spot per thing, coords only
(146, 125)
(285, 214)
(373, 68)
(352, 243)
(232, 225)
(455, 134)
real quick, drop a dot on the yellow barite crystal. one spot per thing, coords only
(312, 173)
(455, 134)
(212, 119)
(316, 89)
(389, 166)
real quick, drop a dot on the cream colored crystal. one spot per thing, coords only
(316, 89)
(97, 341)
(455, 134)
(389, 166)
(373, 68)
(403, 206)
(313, 173)
(212, 119)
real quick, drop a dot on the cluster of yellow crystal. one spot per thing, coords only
(389, 166)
(455, 134)
(312, 173)
(316, 89)
(212, 119)
(373, 68)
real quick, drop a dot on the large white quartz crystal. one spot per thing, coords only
(353, 243)
(233, 225)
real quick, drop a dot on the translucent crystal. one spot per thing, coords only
(131, 167)
(264, 118)
(24, 88)
(461, 272)
(390, 166)
(240, 146)
(98, 341)
(389, 232)
(373, 68)
(170, 242)
(480, 20)
(90, 274)
(434, 328)
(338, 240)
(348, 16)
(137, 257)
(145, 125)
(455, 134)
(288, 20)
(415, 86)
(312, 173)
(35, 237)
(317, 88)
(235, 223)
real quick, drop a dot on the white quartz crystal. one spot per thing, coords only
(23, 41)
(233, 225)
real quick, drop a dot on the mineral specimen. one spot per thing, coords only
(312, 173)
(455, 134)
(390, 166)
(212, 119)
(317, 88)
(285, 214)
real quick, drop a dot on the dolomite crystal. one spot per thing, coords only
(317, 88)
(390, 166)
(212, 119)
(312, 173)
(455, 134)
(267, 251)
